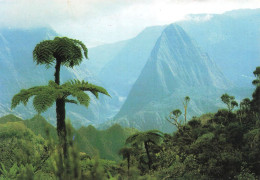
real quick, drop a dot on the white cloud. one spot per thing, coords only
(199, 18)
(99, 21)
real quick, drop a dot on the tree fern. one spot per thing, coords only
(146, 139)
(58, 52)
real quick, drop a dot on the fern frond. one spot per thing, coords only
(82, 45)
(43, 100)
(82, 97)
(44, 97)
(43, 53)
(85, 86)
(67, 51)
(71, 101)
(24, 95)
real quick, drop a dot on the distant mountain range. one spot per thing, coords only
(147, 76)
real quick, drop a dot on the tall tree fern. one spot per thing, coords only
(61, 51)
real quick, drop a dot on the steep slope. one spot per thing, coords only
(122, 71)
(176, 68)
(231, 39)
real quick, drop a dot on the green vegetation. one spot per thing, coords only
(185, 104)
(60, 51)
(26, 154)
(149, 142)
(221, 145)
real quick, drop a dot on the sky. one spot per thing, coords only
(98, 22)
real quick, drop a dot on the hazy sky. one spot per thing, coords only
(103, 21)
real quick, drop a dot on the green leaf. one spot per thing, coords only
(71, 101)
(43, 101)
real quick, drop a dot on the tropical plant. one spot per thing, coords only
(256, 95)
(127, 152)
(147, 139)
(257, 75)
(174, 118)
(229, 101)
(60, 51)
(11, 174)
(244, 109)
(185, 104)
(45, 96)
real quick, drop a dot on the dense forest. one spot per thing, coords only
(221, 145)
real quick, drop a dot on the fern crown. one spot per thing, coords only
(67, 51)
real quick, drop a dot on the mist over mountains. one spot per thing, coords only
(147, 76)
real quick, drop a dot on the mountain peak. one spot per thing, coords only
(176, 68)
(176, 61)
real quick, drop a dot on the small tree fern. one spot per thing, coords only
(146, 139)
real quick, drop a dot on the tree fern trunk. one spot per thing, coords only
(185, 114)
(61, 126)
(60, 113)
(57, 72)
(128, 164)
(148, 155)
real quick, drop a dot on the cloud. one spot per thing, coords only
(205, 17)
(100, 21)
(29, 13)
